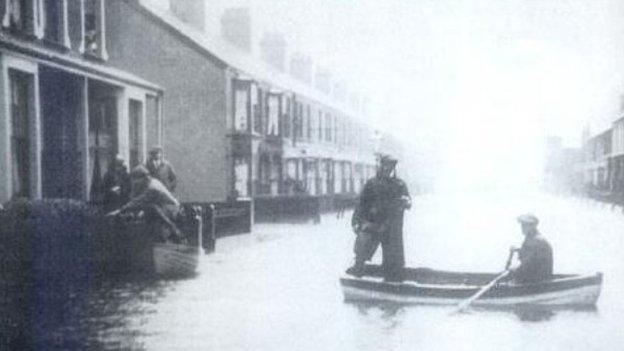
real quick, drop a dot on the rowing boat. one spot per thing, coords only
(137, 250)
(428, 286)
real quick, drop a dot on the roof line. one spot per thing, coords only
(200, 41)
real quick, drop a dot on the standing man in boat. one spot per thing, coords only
(379, 219)
(535, 255)
(160, 207)
(161, 169)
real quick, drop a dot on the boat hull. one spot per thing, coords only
(563, 290)
(134, 249)
(175, 260)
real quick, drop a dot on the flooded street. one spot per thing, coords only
(277, 289)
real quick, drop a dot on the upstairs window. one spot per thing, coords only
(55, 17)
(256, 108)
(328, 128)
(308, 123)
(23, 16)
(94, 28)
(286, 117)
(242, 102)
(320, 125)
(21, 114)
(273, 115)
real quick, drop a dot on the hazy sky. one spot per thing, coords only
(479, 83)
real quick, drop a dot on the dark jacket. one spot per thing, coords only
(116, 187)
(536, 260)
(380, 200)
(164, 172)
(381, 208)
(154, 194)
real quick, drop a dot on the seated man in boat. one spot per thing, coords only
(535, 255)
(379, 219)
(152, 197)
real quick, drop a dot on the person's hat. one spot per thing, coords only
(528, 218)
(155, 150)
(387, 159)
(139, 172)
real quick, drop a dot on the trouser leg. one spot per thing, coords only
(393, 256)
(364, 249)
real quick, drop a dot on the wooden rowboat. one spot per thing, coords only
(175, 260)
(137, 250)
(427, 286)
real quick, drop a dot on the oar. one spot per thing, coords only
(464, 304)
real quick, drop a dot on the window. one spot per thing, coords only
(241, 99)
(286, 118)
(273, 115)
(328, 128)
(135, 124)
(241, 176)
(296, 120)
(335, 131)
(16, 14)
(320, 125)
(24, 16)
(54, 27)
(153, 124)
(308, 123)
(299, 120)
(256, 103)
(94, 28)
(103, 144)
(21, 109)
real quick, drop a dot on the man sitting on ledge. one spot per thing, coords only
(152, 197)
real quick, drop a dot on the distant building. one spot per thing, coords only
(616, 161)
(597, 151)
(563, 168)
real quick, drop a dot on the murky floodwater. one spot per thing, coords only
(277, 289)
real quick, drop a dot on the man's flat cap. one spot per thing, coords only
(388, 159)
(528, 218)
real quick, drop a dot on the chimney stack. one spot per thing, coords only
(273, 50)
(236, 27)
(191, 12)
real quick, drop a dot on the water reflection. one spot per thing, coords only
(525, 313)
(388, 309)
(98, 315)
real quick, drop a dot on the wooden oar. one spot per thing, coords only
(464, 304)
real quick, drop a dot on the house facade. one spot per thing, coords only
(83, 81)
(65, 111)
(235, 126)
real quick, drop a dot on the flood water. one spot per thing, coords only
(277, 289)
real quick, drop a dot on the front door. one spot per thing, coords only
(61, 96)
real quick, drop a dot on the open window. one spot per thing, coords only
(94, 29)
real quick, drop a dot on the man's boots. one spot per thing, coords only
(358, 270)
